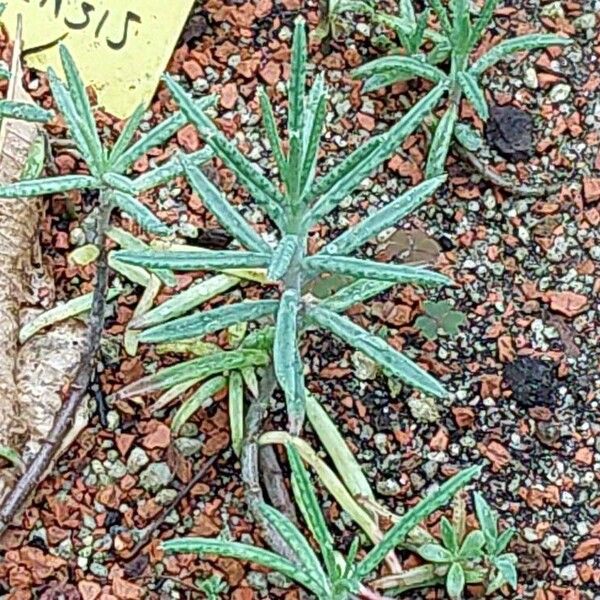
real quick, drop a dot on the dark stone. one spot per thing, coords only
(134, 568)
(532, 381)
(509, 130)
(113, 517)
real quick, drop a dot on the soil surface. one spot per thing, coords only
(524, 370)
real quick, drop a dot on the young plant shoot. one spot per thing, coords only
(453, 45)
(299, 203)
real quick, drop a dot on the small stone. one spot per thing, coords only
(388, 487)
(568, 573)
(560, 92)
(137, 459)
(156, 476)
(423, 408)
(591, 189)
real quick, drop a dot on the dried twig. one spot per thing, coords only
(149, 531)
(274, 482)
(37, 468)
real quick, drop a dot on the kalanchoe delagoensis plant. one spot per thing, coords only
(462, 75)
(460, 557)
(301, 201)
(107, 167)
(329, 575)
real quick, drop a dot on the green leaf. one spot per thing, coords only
(282, 257)
(438, 151)
(455, 581)
(474, 94)
(129, 241)
(380, 80)
(202, 323)
(485, 16)
(296, 542)
(351, 172)
(272, 134)
(157, 136)
(23, 111)
(265, 558)
(404, 64)
(309, 505)
(506, 565)
(377, 349)
(472, 545)
(461, 27)
(313, 129)
(400, 530)
(195, 401)
(488, 521)
(13, 457)
(296, 97)
(442, 15)
(139, 212)
(370, 269)
(194, 260)
(343, 459)
(435, 553)
(186, 300)
(449, 536)
(236, 411)
(286, 360)
(261, 188)
(170, 170)
(81, 103)
(383, 218)
(51, 185)
(468, 136)
(504, 539)
(227, 216)
(428, 327)
(197, 369)
(36, 157)
(117, 182)
(126, 137)
(518, 44)
(355, 293)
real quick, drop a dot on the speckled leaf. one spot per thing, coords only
(282, 257)
(483, 20)
(202, 323)
(23, 111)
(50, 185)
(272, 135)
(474, 94)
(139, 212)
(253, 554)
(196, 369)
(355, 293)
(200, 260)
(449, 536)
(455, 581)
(196, 400)
(488, 521)
(518, 44)
(236, 411)
(404, 64)
(383, 218)
(186, 300)
(442, 15)
(400, 530)
(370, 269)
(307, 501)
(127, 133)
(472, 546)
(435, 553)
(288, 371)
(227, 216)
(440, 144)
(379, 350)
(468, 136)
(384, 79)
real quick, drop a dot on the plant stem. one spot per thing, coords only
(37, 468)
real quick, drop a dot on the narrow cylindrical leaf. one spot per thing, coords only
(483, 20)
(196, 400)
(226, 214)
(286, 359)
(370, 269)
(398, 533)
(377, 349)
(355, 293)
(518, 44)
(253, 554)
(282, 257)
(383, 218)
(51, 185)
(403, 64)
(236, 411)
(127, 133)
(440, 144)
(119, 183)
(205, 322)
(196, 369)
(139, 212)
(23, 111)
(199, 260)
(272, 134)
(186, 300)
(475, 95)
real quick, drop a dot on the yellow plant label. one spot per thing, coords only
(121, 47)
